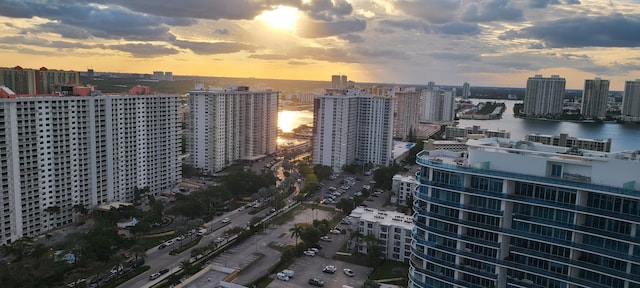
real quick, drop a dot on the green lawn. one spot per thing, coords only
(392, 269)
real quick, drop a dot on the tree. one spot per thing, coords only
(296, 232)
(310, 235)
(53, 210)
(374, 251)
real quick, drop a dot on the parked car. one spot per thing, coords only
(325, 238)
(348, 272)
(282, 276)
(334, 231)
(316, 282)
(288, 272)
(309, 253)
(315, 250)
(154, 276)
(163, 271)
(330, 269)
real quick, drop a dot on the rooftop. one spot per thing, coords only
(387, 218)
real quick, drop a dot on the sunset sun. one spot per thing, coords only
(282, 17)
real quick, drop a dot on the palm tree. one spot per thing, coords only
(296, 231)
(374, 251)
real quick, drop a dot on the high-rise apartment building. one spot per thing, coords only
(407, 111)
(466, 90)
(520, 214)
(226, 125)
(60, 151)
(594, 98)
(437, 106)
(631, 101)
(352, 127)
(41, 81)
(544, 96)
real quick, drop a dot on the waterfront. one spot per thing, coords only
(624, 136)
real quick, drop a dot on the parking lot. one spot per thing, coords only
(311, 267)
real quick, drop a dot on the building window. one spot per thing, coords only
(556, 170)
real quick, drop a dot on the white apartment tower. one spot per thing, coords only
(352, 127)
(437, 106)
(226, 125)
(57, 152)
(407, 111)
(594, 98)
(544, 96)
(466, 90)
(631, 101)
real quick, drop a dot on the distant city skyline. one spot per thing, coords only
(487, 42)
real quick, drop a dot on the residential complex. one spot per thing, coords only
(227, 125)
(452, 132)
(544, 96)
(402, 187)
(392, 229)
(631, 101)
(466, 90)
(563, 140)
(594, 98)
(512, 214)
(437, 105)
(351, 126)
(60, 151)
(40, 81)
(407, 112)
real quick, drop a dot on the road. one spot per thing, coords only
(158, 259)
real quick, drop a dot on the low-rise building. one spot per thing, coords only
(564, 140)
(402, 187)
(392, 229)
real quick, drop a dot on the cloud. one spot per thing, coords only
(457, 28)
(351, 38)
(492, 10)
(455, 56)
(299, 63)
(432, 11)
(41, 42)
(79, 20)
(407, 24)
(327, 10)
(201, 9)
(615, 30)
(222, 31)
(145, 50)
(537, 4)
(209, 48)
(270, 56)
(318, 29)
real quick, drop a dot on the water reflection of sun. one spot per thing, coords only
(287, 120)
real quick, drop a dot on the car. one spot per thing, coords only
(348, 272)
(316, 282)
(282, 276)
(309, 253)
(241, 208)
(154, 276)
(334, 231)
(163, 271)
(317, 246)
(226, 220)
(315, 250)
(162, 246)
(170, 242)
(325, 239)
(330, 269)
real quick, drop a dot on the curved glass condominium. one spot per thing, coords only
(521, 214)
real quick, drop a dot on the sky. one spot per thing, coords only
(483, 42)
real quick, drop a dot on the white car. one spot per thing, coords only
(348, 272)
(315, 250)
(334, 231)
(309, 253)
(170, 242)
(282, 276)
(226, 220)
(325, 238)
